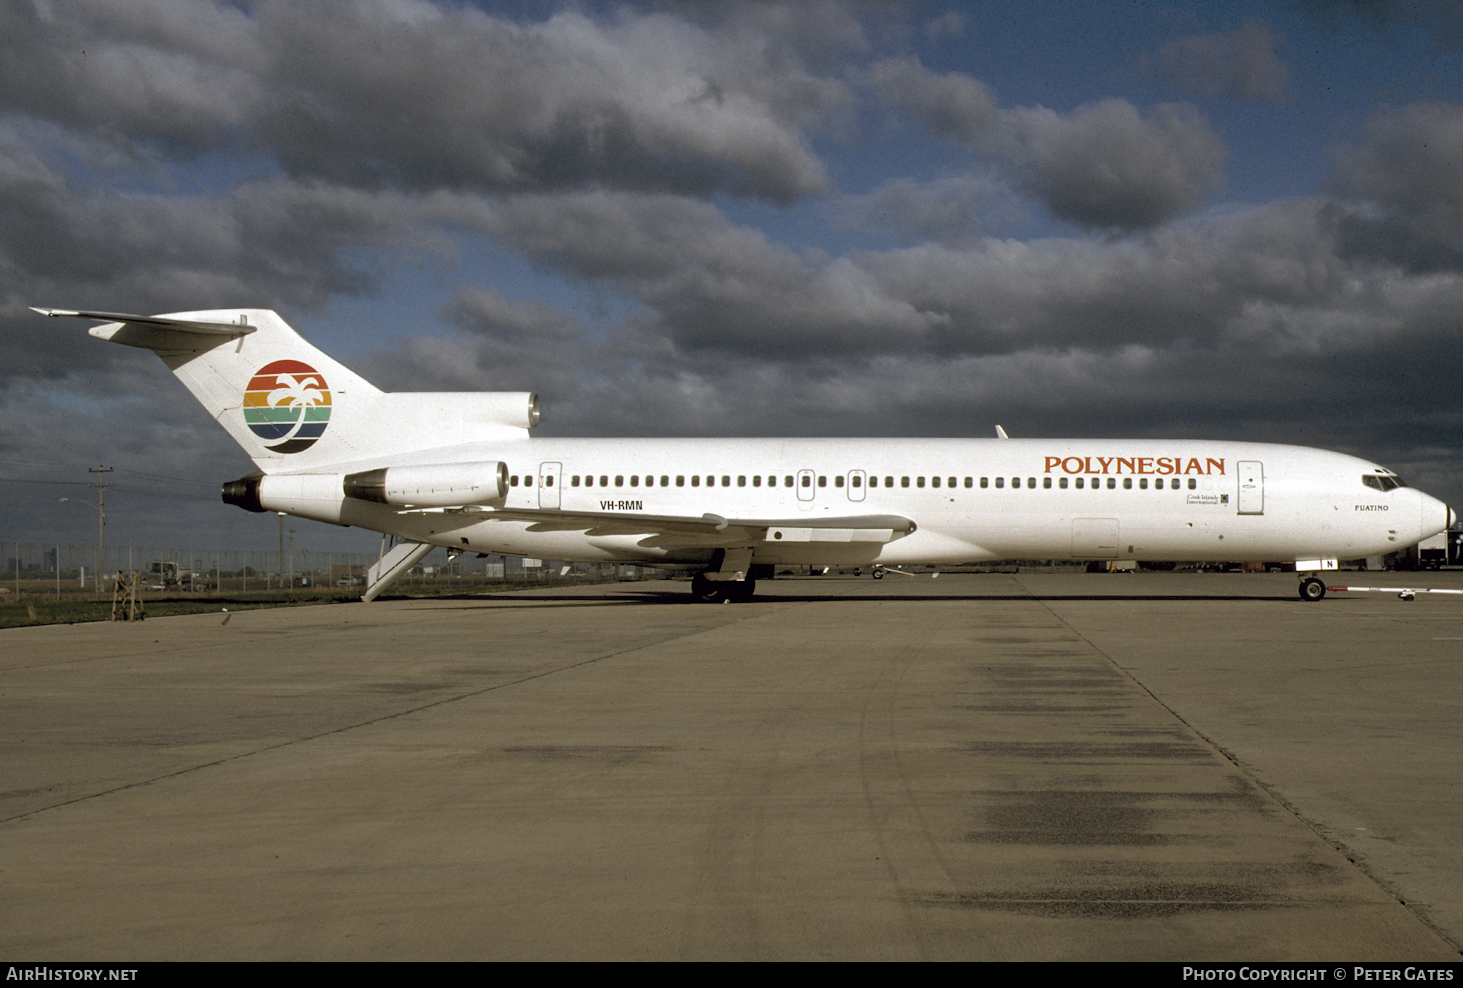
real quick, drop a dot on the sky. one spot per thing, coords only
(1229, 220)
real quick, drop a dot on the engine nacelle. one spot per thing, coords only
(431, 485)
(308, 495)
(244, 493)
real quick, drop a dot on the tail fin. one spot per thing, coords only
(292, 407)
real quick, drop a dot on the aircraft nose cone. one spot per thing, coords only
(1436, 516)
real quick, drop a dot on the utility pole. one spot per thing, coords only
(101, 485)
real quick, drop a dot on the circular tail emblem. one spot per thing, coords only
(287, 400)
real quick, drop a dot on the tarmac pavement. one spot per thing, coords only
(1153, 766)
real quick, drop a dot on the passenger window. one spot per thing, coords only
(952, 482)
(1062, 482)
(1143, 483)
(680, 480)
(1015, 482)
(665, 481)
(984, 481)
(1193, 483)
(1111, 483)
(919, 481)
(1000, 482)
(725, 481)
(619, 480)
(968, 481)
(757, 480)
(787, 482)
(695, 480)
(513, 480)
(822, 481)
(888, 481)
(1046, 482)
(741, 481)
(1079, 483)
(873, 481)
(634, 480)
(903, 481)
(934, 481)
(838, 480)
(1127, 483)
(1031, 482)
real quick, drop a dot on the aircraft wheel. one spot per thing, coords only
(878, 574)
(707, 591)
(740, 592)
(1312, 589)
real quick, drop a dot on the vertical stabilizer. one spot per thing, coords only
(292, 407)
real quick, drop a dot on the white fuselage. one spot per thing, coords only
(970, 500)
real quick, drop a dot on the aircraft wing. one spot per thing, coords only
(709, 530)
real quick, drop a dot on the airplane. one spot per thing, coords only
(458, 470)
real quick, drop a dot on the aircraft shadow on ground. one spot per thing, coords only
(663, 597)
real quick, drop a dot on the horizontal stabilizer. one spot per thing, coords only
(203, 328)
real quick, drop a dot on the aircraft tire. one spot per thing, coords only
(742, 591)
(1312, 589)
(878, 574)
(707, 591)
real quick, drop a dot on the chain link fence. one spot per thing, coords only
(34, 570)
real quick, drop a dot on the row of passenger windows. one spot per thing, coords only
(856, 480)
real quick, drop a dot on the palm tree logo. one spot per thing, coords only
(288, 404)
(293, 392)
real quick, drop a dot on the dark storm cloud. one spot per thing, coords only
(456, 98)
(270, 243)
(425, 96)
(953, 210)
(1104, 165)
(712, 284)
(1107, 166)
(1241, 64)
(1404, 190)
(1249, 309)
(184, 75)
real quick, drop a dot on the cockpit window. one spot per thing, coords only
(1382, 483)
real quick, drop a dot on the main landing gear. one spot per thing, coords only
(734, 563)
(1312, 588)
(715, 591)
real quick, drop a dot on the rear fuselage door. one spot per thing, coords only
(856, 481)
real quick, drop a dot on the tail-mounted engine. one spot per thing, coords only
(435, 485)
(324, 496)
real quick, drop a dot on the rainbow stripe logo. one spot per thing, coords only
(287, 400)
